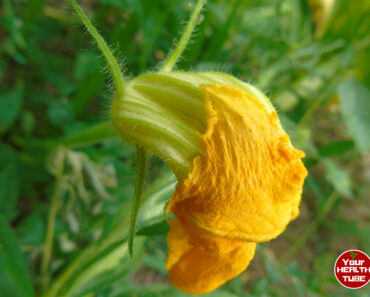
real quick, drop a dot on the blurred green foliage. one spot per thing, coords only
(55, 91)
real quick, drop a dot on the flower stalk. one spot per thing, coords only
(174, 56)
(119, 81)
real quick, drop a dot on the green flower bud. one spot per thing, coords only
(164, 113)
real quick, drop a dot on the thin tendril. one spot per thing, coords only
(119, 81)
(184, 40)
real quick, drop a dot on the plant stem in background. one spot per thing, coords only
(48, 246)
(140, 171)
(311, 228)
(119, 82)
(326, 93)
(57, 284)
(184, 40)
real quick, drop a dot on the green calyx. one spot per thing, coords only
(164, 113)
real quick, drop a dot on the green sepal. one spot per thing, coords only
(164, 113)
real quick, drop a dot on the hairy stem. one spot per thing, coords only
(116, 73)
(184, 40)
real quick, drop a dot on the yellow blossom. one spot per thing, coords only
(245, 189)
(199, 264)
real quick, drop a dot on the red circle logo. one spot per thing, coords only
(352, 269)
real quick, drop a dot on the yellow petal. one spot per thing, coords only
(249, 183)
(199, 265)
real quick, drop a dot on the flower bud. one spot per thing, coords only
(164, 112)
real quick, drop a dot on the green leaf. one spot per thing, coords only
(86, 91)
(9, 190)
(32, 230)
(155, 262)
(157, 228)
(105, 270)
(235, 285)
(338, 177)
(89, 136)
(10, 106)
(8, 155)
(355, 109)
(336, 148)
(14, 278)
(28, 122)
(60, 112)
(86, 63)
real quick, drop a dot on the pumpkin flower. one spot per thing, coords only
(239, 177)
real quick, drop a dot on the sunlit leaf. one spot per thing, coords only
(338, 177)
(355, 108)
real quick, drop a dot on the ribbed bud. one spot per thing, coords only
(164, 113)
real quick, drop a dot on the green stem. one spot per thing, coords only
(311, 228)
(119, 81)
(324, 95)
(48, 246)
(184, 40)
(140, 169)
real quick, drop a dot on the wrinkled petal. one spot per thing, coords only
(199, 265)
(249, 183)
(245, 189)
